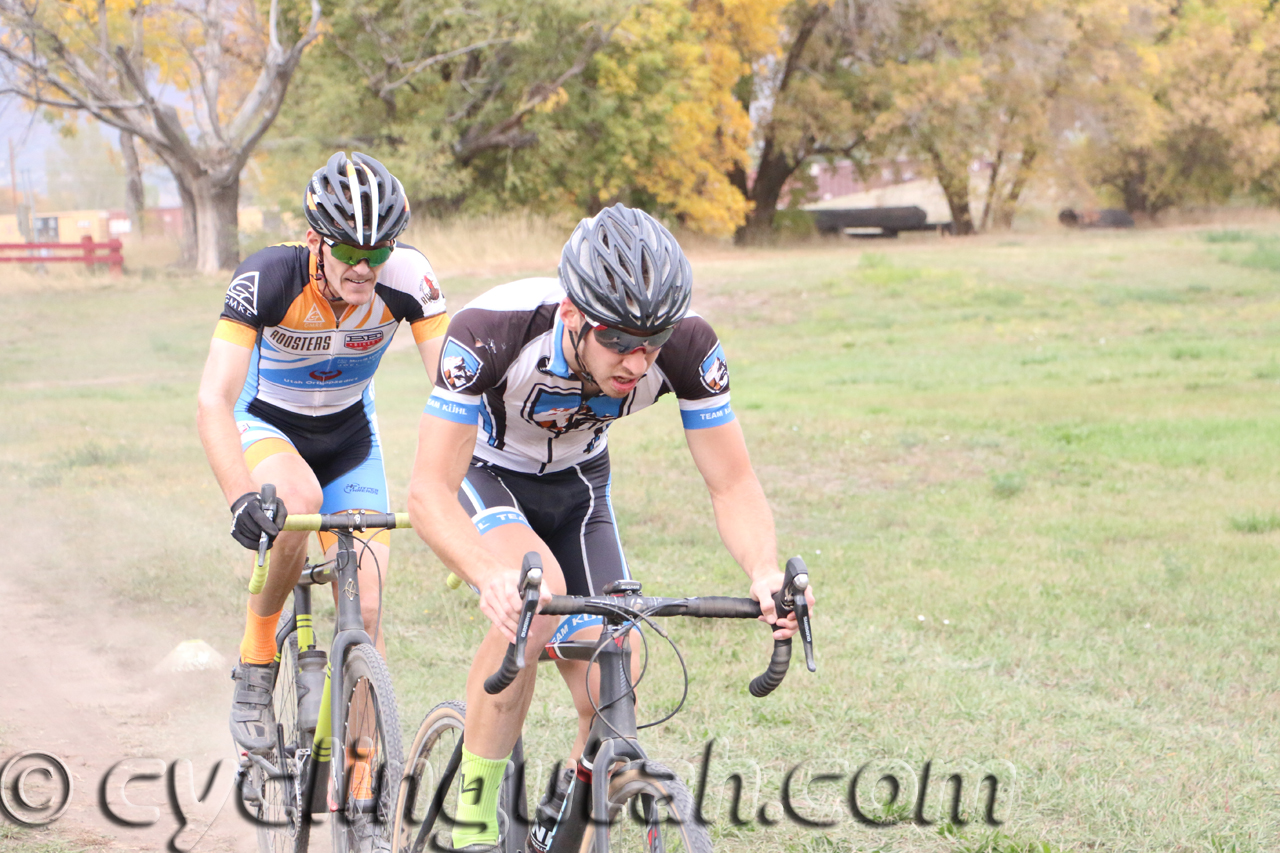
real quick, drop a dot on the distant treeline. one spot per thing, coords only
(702, 110)
(699, 110)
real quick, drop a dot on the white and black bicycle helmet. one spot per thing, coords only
(356, 200)
(622, 268)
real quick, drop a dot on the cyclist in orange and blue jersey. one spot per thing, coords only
(287, 393)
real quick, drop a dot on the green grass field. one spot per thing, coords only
(1035, 479)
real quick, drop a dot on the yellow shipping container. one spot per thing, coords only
(9, 232)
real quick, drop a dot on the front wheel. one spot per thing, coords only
(368, 741)
(436, 746)
(283, 822)
(649, 811)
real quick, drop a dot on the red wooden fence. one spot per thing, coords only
(85, 252)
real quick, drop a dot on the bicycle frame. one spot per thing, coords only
(349, 632)
(613, 737)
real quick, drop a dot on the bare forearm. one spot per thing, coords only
(221, 440)
(224, 375)
(444, 455)
(443, 524)
(745, 523)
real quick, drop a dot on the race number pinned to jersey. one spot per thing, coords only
(242, 295)
(459, 366)
(715, 370)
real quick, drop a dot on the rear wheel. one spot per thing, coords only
(282, 820)
(649, 811)
(369, 743)
(438, 739)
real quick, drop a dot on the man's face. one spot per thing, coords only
(615, 373)
(352, 284)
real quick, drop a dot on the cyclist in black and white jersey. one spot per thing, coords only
(513, 456)
(287, 393)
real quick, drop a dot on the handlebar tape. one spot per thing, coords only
(502, 679)
(722, 607)
(764, 684)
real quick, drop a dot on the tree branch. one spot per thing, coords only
(506, 133)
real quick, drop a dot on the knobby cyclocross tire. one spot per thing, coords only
(434, 745)
(646, 796)
(368, 740)
(284, 826)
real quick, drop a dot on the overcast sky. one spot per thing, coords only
(32, 136)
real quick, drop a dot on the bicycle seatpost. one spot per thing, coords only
(531, 588)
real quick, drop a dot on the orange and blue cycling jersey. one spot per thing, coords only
(306, 358)
(309, 388)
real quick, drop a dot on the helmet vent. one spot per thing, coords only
(623, 268)
(356, 200)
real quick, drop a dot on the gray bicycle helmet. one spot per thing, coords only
(355, 200)
(621, 268)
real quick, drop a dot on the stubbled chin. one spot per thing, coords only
(359, 294)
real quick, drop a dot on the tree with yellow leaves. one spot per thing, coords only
(1192, 119)
(982, 81)
(653, 120)
(197, 81)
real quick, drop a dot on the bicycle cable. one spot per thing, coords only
(684, 670)
(377, 622)
(607, 637)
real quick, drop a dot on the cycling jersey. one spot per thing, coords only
(306, 359)
(504, 368)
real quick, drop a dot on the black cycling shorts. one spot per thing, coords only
(342, 449)
(570, 510)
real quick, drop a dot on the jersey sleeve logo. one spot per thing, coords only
(430, 291)
(715, 370)
(459, 366)
(242, 295)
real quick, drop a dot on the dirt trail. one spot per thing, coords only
(92, 702)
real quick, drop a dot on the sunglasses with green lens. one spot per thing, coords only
(352, 255)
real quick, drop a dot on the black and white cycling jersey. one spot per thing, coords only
(504, 368)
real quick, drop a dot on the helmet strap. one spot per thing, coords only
(323, 280)
(578, 339)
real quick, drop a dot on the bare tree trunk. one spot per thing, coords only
(1004, 215)
(956, 188)
(190, 223)
(217, 224)
(776, 164)
(991, 190)
(772, 173)
(134, 195)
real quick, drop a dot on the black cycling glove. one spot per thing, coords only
(249, 520)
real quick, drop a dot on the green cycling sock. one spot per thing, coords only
(479, 783)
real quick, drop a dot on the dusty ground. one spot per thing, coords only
(93, 705)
